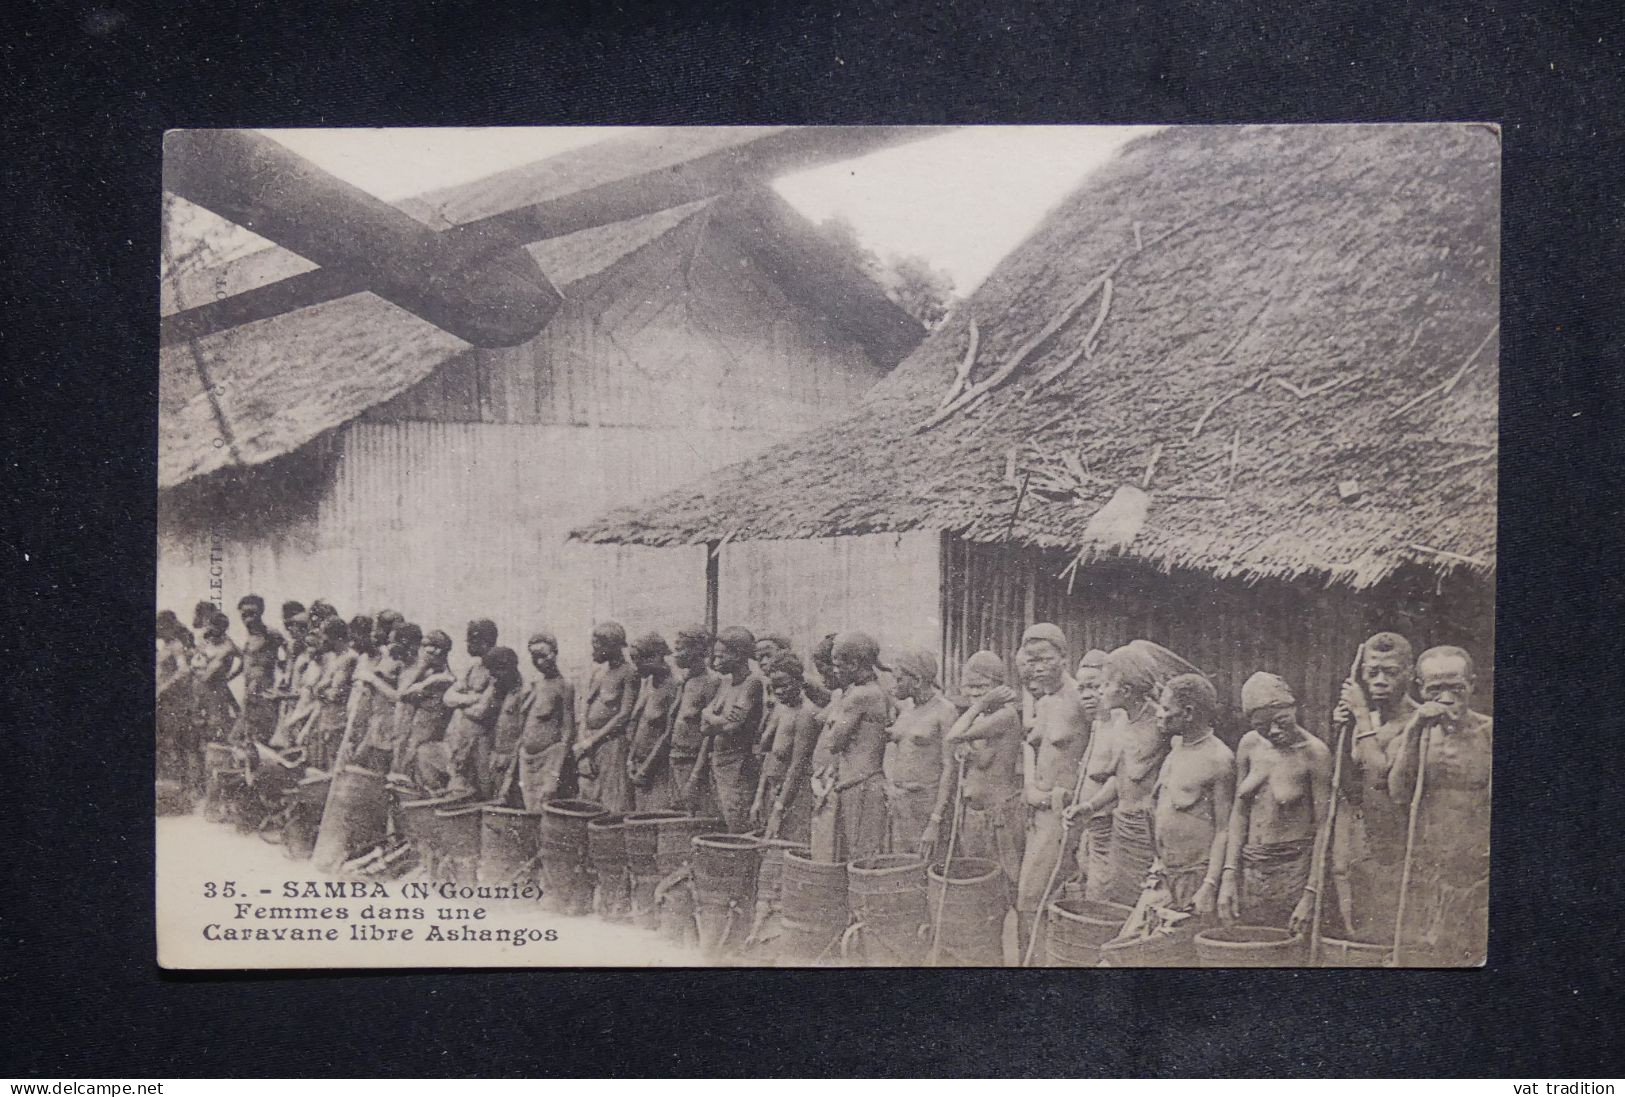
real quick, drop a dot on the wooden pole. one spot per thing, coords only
(490, 292)
(1325, 841)
(1410, 842)
(947, 863)
(481, 241)
(1054, 873)
(713, 584)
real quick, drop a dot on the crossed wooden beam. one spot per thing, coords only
(473, 280)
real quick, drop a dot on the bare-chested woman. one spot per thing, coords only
(1055, 747)
(333, 684)
(786, 791)
(1099, 760)
(548, 733)
(260, 653)
(174, 698)
(304, 672)
(1283, 791)
(424, 710)
(1194, 793)
(856, 742)
(992, 821)
(1134, 676)
(919, 766)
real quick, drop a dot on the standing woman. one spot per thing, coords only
(298, 694)
(488, 764)
(215, 661)
(548, 730)
(333, 683)
(1099, 760)
(857, 742)
(174, 696)
(1135, 676)
(1055, 747)
(390, 673)
(787, 792)
(919, 766)
(993, 820)
(422, 715)
(825, 694)
(296, 624)
(733, 724)
(358, 711)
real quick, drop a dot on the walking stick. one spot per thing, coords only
(1410, 842)
(947, 862)
(1325, 841)
(1060, 856)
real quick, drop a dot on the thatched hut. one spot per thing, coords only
(354, 451)
(1287, 335)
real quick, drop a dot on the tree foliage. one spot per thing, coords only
(924, 291)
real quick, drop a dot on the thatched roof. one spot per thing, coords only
(281, 383)
(1321, 301)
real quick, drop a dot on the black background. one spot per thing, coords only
(88, 92)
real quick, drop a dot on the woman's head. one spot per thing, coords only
(855, 655)
(503, 665)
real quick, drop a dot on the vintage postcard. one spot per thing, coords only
(839, 546)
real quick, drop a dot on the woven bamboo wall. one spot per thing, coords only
(1306, 634)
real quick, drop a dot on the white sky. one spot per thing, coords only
(962, 200)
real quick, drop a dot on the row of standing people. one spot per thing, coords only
(1105, 775)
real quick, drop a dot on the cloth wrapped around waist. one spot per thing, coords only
(1131, 854)
(1273, 876)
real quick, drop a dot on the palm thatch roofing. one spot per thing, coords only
(280, 383)
(1292, 327)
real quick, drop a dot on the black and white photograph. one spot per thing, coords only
(836, 546)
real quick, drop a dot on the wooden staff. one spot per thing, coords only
(691, 787)
(1324, 841)
(947, 862)
(1054, 873)
(1410, 841)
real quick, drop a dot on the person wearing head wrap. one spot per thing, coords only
(919, 766)
(1283, 791)
(610, 696)
(732, 725)
(1447, 907)
(648, 760)
(1124, 768)
(1055, 746)
(697, 686)
(419, 746)
(1368, 834)
(547, 731)
(989, 736)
